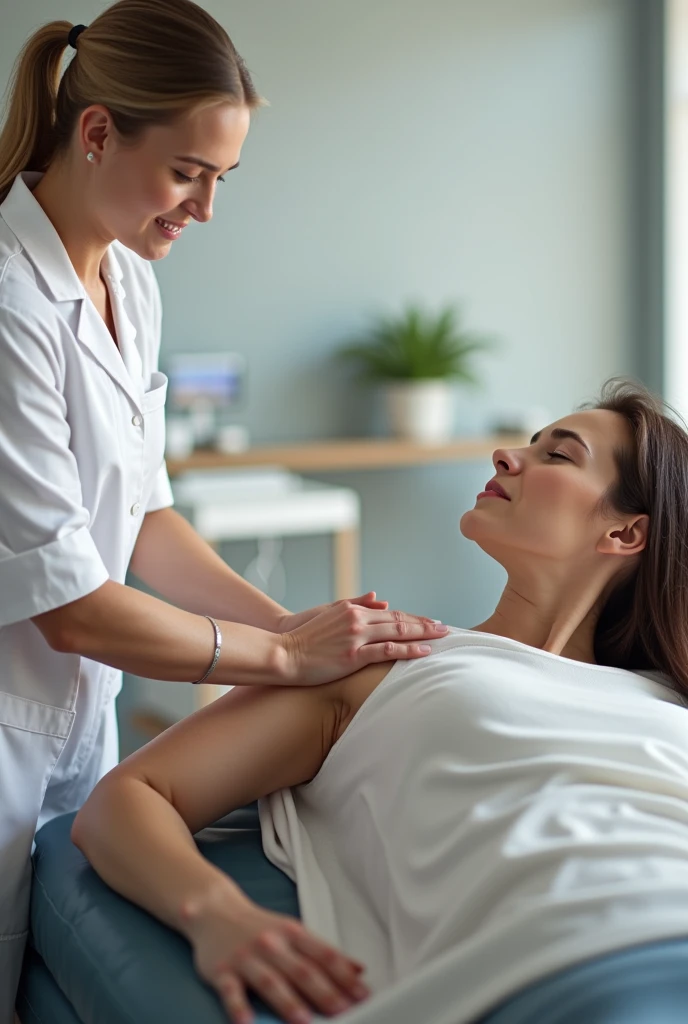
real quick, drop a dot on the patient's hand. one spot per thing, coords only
(275, 957)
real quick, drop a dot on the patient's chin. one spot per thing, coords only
(471, 527)
(490, 536)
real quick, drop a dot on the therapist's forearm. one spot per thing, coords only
(140, 634)
(172, 559)
(140, 846)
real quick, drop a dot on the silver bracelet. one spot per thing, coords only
(216, 653)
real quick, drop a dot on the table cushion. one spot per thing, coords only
(40, 1000)
(114, 963)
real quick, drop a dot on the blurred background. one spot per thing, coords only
(520, 160)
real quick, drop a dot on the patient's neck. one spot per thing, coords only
(560, 619)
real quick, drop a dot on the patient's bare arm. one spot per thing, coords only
(137, 828)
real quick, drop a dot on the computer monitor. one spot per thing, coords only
(205, 381)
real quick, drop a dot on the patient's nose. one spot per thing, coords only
(507, 460)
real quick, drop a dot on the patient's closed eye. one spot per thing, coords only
(559, 455)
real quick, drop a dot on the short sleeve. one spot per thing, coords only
(161, 494)
(47, 555)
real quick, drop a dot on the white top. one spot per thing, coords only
(81, 441)
(492, 813)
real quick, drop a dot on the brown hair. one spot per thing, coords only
(145, 60)
(644, 623)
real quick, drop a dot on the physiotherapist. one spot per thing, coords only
(101, 170)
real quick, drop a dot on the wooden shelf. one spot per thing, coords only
(348, 454)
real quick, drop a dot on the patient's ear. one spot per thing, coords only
(629, 538)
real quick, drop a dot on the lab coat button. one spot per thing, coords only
(135, 508)
(136, 420)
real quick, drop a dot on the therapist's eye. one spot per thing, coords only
(185, 178)
(192, 181)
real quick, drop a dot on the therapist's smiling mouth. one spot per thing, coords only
(168, 228)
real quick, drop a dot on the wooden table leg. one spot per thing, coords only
(346, 563)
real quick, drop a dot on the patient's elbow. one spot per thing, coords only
(80, 830)
(76, 833)
(88, 823)
(107, 815)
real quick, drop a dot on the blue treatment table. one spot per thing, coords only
(95, 958)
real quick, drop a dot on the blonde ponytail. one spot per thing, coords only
(27, 138)
(145, 60)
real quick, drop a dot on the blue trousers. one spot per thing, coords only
(643, 985)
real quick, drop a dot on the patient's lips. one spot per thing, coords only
(493, 490)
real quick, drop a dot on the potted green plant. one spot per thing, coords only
(417, 356)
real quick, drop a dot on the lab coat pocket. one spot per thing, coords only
(32, 736)
(154, 424)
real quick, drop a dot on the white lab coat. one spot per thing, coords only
(81, 462)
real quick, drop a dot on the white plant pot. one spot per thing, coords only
(420, 410)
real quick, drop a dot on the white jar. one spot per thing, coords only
(420, 410)
(231, 439)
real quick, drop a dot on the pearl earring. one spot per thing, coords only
(90, 157)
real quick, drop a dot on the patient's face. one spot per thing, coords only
(553, 489)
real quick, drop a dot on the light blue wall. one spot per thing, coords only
(449, 150)
(445, 150)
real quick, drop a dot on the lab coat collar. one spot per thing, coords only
(42, 245)
(124, 366)
(126, 331)
(113, 268)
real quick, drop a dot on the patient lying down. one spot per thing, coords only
(463, 825)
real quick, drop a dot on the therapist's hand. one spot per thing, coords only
(275, 957)
(292, 620)
(347, 636)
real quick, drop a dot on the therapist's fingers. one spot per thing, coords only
(377, 605)
(406, 631)
(401, 628)
(399, 637)
(374, 653)
(375, 618)
(370, 600)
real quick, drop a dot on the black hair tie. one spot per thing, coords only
(74, 33)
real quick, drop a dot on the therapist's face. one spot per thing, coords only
(149, 191)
